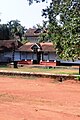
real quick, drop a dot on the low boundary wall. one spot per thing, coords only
(24, 74)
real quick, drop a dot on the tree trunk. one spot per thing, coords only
(15, 64)
(79, 70)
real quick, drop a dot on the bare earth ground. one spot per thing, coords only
(39, 99)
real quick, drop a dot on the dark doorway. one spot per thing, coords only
(38, 57)
(37, 61)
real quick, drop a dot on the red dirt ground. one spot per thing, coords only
(39, 99)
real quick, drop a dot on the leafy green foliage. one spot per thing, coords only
(43, 37)
(64, 27)
(15, 29)
(37, 1)
(4, 32)
(11, 30)
(78, 78)
(24, 41)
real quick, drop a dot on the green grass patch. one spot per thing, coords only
(69, 70)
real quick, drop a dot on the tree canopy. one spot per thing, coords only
(15, 29)
(64, 27)
(10, 30)
(4, 32)
(37, 1)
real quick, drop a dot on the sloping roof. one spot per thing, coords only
(33, 32)
(9, 44)
(26, 47)
(46, 47)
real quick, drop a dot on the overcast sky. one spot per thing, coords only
(19, 9)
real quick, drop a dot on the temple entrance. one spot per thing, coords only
(36, 48)
(37, 60)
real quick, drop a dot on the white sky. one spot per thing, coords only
(28, 16)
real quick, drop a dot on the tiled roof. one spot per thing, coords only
(9, 44)
(32, 32)
(44, 47)
(26, 47)
(47, 46)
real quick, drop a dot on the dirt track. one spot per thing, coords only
(39, 99)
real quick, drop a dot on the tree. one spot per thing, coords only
(4, 32)
(65, 31)
(37, 1)
(15, 29)
(43, 37)
(64, 27)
